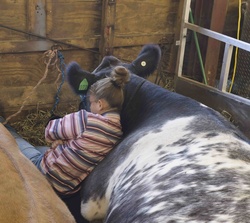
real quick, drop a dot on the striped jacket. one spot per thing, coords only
(87, 138)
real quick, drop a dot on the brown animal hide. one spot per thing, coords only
(25, 194)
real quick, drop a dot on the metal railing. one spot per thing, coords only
(230, 42)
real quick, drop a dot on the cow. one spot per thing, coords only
(25, 194)
(179, 160)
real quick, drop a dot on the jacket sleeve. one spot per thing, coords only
(71, 126)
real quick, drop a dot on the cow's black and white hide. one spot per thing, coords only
(179, 161)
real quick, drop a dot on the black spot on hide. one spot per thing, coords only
(211, 135)
(239, 153)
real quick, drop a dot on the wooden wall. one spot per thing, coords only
(83, 30)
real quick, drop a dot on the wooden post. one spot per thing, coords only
(213, 47)
(36, 17)
(108, 27)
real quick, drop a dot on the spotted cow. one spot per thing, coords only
(25, 194)
(179, 160)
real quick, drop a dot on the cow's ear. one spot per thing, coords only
(147, 61)
(78, 79)
(107, 61)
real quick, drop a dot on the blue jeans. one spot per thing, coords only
(34, 154)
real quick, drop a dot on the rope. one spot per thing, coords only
(61, 70)
(50, 59)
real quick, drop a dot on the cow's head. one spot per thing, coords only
(144, 65)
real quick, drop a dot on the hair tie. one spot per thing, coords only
(115, 84)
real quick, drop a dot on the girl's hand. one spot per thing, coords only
(56, 143)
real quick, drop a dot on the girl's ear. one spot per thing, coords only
(102, 104)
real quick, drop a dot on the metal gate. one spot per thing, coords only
(238, 108)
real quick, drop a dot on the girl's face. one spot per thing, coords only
(99, 106)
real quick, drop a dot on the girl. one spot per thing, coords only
(80, 140)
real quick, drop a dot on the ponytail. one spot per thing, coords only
(111, 88)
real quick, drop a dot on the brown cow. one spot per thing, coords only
(25, 195)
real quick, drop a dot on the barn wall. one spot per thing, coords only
(84, 31)
(29, 28)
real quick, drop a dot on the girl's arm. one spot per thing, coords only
(69, 127)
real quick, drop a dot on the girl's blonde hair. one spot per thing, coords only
(111, 88)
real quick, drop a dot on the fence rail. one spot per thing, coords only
(230, 42)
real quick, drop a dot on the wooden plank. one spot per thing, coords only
(107, 27)
(43, 95)
(43, 45)
(25, 46)
(136, 40)
(13, 14)
(21, 72)
(36, 17)
(82, 43)
(219, 12)
(145, 17)
(73, 19)
(236, 108)
(27, 69)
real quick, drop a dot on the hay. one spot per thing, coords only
(169, 83)
(31, 128)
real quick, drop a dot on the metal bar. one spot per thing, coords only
(225, 67)
(219, 36)
(183, 34)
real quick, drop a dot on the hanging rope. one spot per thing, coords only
(61, 70)
(50, 59)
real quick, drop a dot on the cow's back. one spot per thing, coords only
(174, 173)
